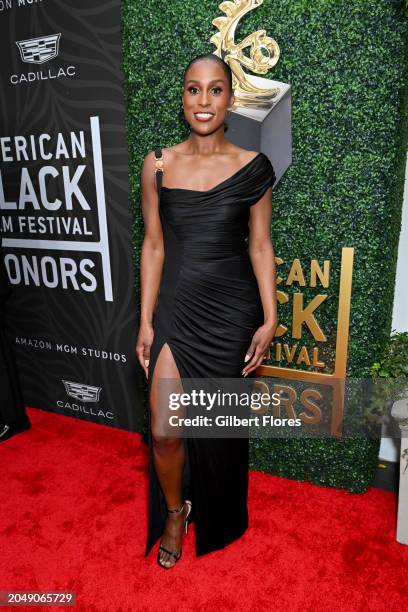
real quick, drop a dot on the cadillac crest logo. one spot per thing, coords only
(39, 50)
(84, 393)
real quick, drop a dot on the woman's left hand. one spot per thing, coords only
(259, 347)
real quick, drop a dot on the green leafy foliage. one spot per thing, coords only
(390, 371)
(393, 362)
(346, 63)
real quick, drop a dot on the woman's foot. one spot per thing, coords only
(172, 537)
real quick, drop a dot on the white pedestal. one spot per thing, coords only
(400, 413)
(267, 129)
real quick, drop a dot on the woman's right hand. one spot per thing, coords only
(143, 344)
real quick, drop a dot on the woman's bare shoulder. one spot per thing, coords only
(176, 151)
(149, 160)
(244, 155)
(151, 154)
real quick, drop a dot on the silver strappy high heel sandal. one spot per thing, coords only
(172, 552)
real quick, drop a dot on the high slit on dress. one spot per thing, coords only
(207, 312)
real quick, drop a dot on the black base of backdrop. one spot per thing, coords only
(65, 214)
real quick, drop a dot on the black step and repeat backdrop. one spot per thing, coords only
(65, 218)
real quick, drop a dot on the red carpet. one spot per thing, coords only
(73, 517)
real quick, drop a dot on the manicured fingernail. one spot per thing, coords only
(247, 357)
(146, 362)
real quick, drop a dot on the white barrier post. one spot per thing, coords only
(400, 413)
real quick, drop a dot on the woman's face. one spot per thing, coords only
(206, 96)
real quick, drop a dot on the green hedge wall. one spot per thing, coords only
(346, 61)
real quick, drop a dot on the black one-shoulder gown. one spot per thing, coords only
(208, 309)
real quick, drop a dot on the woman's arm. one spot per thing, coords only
(152, 258)
(262, 257)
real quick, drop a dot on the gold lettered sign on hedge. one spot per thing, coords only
(301, 351)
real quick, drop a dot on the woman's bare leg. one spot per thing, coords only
(168, 452)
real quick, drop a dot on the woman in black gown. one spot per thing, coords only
(208, 306)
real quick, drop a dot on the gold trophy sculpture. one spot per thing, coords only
(261, 116)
